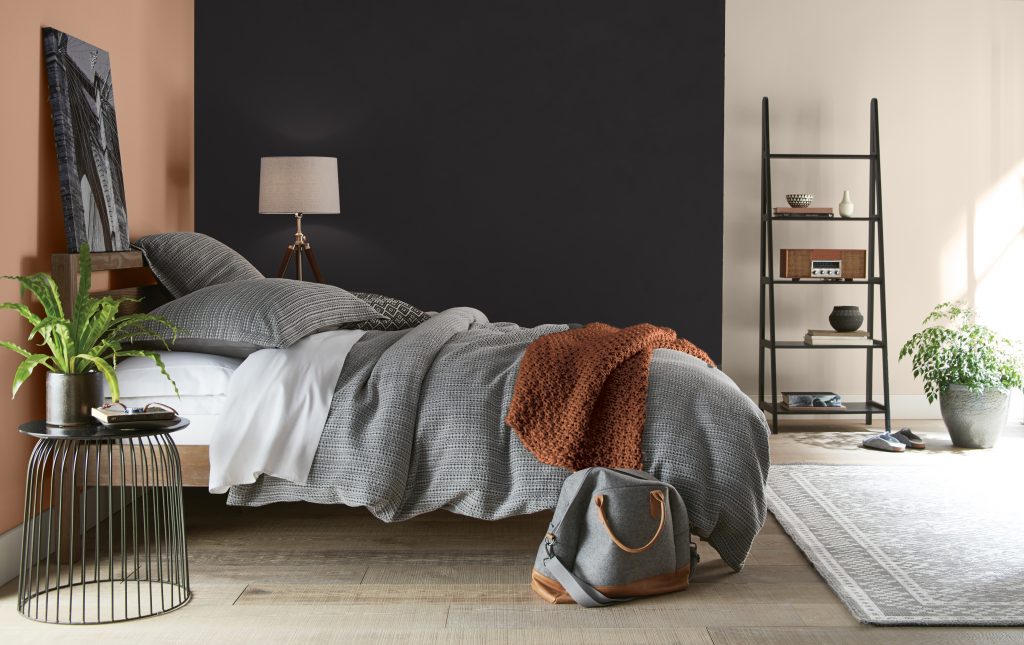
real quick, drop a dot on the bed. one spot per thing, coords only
(414, 416)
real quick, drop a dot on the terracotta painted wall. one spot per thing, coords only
(151, 54)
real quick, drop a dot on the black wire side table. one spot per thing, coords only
(104, 527)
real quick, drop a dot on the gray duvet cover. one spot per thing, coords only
(417, 424)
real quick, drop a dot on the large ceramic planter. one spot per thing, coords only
(70, 398)
(974, 419)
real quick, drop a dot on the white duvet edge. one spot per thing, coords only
(273, 425)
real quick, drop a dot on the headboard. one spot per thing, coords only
(64, 267)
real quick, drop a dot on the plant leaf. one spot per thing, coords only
(16, 348)
(83, 314)
(107, 371)
(137, 320)
(84, 286)
(108, 345)
(156, 359)
(46, 326)
(25, 370)
(43, 287)
(57, 337)
(962, 351)
(133, 326)
(25, 312)
(98, 324)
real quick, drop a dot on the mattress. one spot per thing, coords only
(201, 411)
(202, 381)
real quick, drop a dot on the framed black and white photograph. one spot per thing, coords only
(88, 154)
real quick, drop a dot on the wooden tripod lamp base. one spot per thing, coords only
(299, 249)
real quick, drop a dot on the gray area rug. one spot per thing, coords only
(941, 544)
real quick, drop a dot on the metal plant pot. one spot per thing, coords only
(974, 419)
(70, 398)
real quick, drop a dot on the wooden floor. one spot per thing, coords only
(304, 573)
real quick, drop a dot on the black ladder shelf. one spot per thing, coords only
(875, 278)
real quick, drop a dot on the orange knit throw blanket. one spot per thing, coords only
(580, 397)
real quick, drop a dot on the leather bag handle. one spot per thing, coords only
(657, 497)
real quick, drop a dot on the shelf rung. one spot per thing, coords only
(799, 344)
(805, 218)
(855, 407)
(765, 280)
(790, 155)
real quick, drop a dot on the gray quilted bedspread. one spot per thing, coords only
(417, 424)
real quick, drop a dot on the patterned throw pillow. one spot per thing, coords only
(187, 262)
(395, 314)
(240, 318)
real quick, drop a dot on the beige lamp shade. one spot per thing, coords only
(299, 185)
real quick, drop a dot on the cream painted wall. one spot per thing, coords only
(949, 78)
(151, 52)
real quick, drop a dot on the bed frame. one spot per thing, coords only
(129, 268)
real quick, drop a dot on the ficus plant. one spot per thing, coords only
(92, 338)
(958, 350)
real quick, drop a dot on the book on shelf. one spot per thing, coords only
(119, 416)
(848, 341)
(860, 333)
(812, 211)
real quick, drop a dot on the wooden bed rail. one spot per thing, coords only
(64, 267)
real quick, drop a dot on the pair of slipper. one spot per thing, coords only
(894, 441)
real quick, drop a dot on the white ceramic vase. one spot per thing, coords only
(846, 206)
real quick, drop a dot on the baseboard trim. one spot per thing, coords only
(10, 541)
(916, 406)
(10, 552)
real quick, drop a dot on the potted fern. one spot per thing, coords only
(970, 368)
(84, 347)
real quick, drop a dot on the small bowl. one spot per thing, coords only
(800, 200)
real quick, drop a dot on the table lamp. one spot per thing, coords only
(299, 186)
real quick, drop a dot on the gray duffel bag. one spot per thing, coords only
(616, 535)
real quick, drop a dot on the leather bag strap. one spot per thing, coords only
(657, 498)
(584, 594)
(587, 596)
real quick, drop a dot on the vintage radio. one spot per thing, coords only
(828, 264)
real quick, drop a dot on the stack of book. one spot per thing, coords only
(857, 338)
(135, 418)
(812, 211)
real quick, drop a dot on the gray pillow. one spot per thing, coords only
(394, 314)
(187, 262)
(240, 318)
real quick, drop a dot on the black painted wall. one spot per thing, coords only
(542, 160)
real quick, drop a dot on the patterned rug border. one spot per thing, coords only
(839, 580)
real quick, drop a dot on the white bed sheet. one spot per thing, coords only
(276, 408)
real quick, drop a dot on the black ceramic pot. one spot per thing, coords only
(846, 318)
